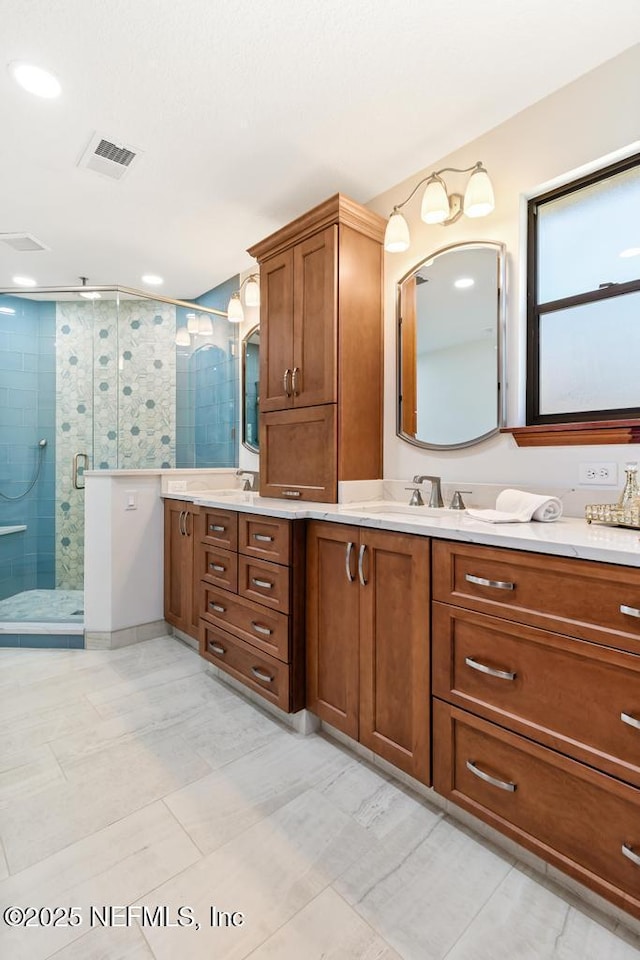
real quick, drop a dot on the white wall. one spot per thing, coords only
(586, 120)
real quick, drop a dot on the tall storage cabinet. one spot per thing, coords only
(321, 352)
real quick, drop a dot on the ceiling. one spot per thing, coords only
(249, 112)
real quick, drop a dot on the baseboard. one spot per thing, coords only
(112, 640)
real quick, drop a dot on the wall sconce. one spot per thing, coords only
(439, 206)
(251, 284)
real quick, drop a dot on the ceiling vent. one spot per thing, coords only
(23, 242)
(109, 158)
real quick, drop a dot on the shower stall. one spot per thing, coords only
(101, 378)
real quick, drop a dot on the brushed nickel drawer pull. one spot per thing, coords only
(501, 784)
(263, 538)
(265, 631)
(291, 493)
(217, 528)
(262, 583)
(347, 562)
(630, 854)
(216, 648)
(217, 607)
(630, 611)
(363, 579)
(217, 567)
(632, 721)
(497, 584)
(491, 671)
(261, 676)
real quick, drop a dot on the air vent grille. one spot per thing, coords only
(108, 157)
(23, 242)
(117, 154)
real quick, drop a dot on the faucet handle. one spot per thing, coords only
(457, 503)
(416, 497)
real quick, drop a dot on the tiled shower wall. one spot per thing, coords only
(115, 401)
(27, 405)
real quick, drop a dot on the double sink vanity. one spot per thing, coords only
(496, 663)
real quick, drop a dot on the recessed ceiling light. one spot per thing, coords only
(90, 294)
(7, 310)
(24, 282)
(631, 252)
(35, 80)
(152, 280)
(463, 283)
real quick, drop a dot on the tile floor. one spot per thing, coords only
(134, 777)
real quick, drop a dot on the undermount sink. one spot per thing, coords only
(390, 506)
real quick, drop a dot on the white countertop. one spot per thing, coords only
(567, 537)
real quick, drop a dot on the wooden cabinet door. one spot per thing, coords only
(178, 565)
(276, 332)
(333, 624)
(298, 453)
(315, 306)
(394, 649)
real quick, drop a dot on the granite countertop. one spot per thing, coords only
(566, 537)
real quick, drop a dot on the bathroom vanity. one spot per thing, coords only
(521, 641)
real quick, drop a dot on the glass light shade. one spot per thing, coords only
(396, 236)
(235, 313)
(252, 292)
(478, 197)
(182, 337)
(435, 202)
(205, 327)
(192, 323)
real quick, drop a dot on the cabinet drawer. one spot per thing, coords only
(219, 567)
(220, 528)
(568, 694)
(256, 670)
(580, 598)
(268, 583)
(267, 538)
(582, 821)
(263, 628)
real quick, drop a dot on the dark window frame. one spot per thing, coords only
(535, 310)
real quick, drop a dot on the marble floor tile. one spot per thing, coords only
(525, 919)
(420, 889)
(98, 791)
(27, 770)
(38, 727)
(173, 688)
(217, 808)
(103, 943)
(369, 797)
(326, 929)
(113, 866)
(269, 873)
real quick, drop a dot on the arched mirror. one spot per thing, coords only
(250, 382)
(450, 347)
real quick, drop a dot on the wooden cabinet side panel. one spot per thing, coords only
(332, 626)
(276, 331)
(360, 356)
(394, 651)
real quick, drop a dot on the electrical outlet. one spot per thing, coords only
(598, 474)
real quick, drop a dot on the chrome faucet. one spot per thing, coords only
(435, 497)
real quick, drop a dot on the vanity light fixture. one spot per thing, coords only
(205, 327)
(192, 323)
(440, 206)
(182, 337)
(35, 80)
(24, 282)
(251, 284)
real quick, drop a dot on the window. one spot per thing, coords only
(583, 299)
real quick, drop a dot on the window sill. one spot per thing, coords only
(572, 434)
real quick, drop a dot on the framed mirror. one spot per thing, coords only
(450, 316)
(250, 384)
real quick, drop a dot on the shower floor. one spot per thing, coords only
(51, 606)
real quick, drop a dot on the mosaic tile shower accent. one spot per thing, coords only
(115, 401)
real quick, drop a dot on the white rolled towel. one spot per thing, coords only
(517, 506)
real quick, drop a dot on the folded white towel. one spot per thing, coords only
(517, 506)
